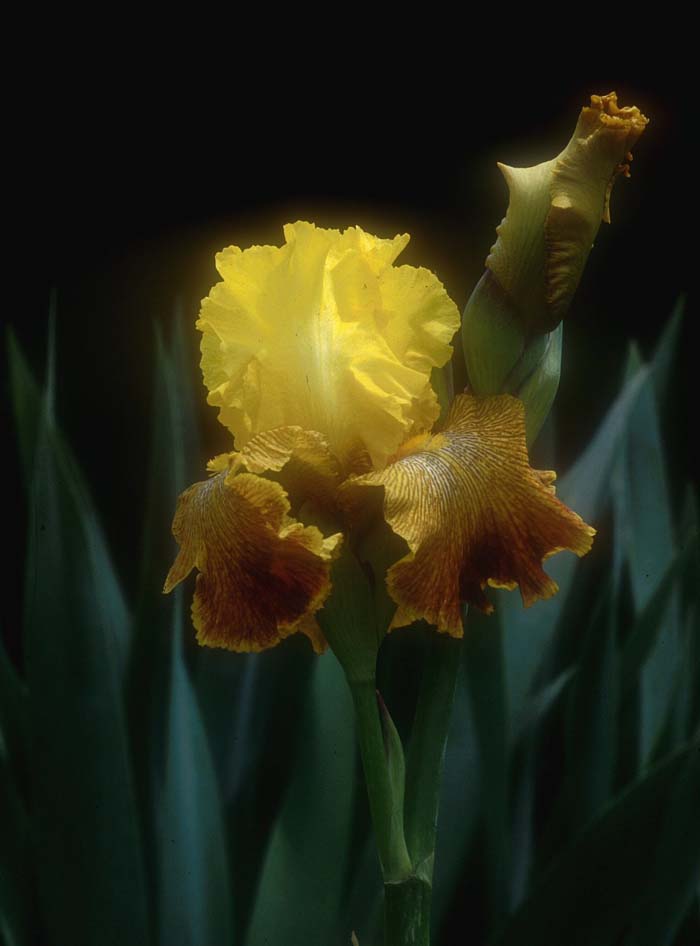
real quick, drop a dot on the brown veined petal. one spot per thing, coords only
(262, 575)
(473, 513)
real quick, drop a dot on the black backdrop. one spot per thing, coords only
(124, 197)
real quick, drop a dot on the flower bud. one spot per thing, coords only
(535, 266)
(555, 210)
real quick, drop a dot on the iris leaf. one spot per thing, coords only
(301, 889)
(188, 856)
(644, 522)
(77, 628)
(13, 716)
(541, 702)
(171, 461)
(16, 869)
(459, 802)
(649, 621)
(593, 891)
(195, 898)
(592, 715)
(675, 872)
(584, 488)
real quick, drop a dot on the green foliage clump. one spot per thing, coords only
(158, 794)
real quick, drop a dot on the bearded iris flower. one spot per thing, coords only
(318, 355)
(352, 500)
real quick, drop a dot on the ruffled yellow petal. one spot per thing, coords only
(555, 211)
(472, 512)
(324, 333)
(262, 575)
(273, 449)
(308, 467)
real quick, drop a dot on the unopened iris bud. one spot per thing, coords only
(535, 266)
(555, 211)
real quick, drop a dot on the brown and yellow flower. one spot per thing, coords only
(318, 355)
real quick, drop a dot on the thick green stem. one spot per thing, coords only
(407, 904)
(407, 913)
(408, 867)
(387, 815)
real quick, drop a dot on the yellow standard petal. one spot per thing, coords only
(473, 513)
(262, 575)
(326, 334)
(555, 211)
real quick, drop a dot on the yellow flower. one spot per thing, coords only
(318, 355)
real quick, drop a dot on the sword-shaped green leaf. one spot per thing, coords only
(302, 886)
(89, 856)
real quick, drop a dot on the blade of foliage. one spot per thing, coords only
(691, 605)
(194, 882)
(485, 675)
(15, 863)
(16, 873)
(230, 693)
(36, 430)
(644, 521)
(174, 464)
(150, 667)
(13, 718)
(525, 745)
(363, 912)
(584, 488)
(76, 638)
(426, 752)
(240, 696)
(188, 861)
(684, 721)
(541, 702)
(649, 622)
(459, 802)
(593, 891)
(301, 889)
(664, 359)
(266, 732)
(523, 821)
(675, 873)
(591, 739)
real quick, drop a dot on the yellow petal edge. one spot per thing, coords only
(473, 513)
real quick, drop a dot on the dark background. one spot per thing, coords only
(125, 196)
